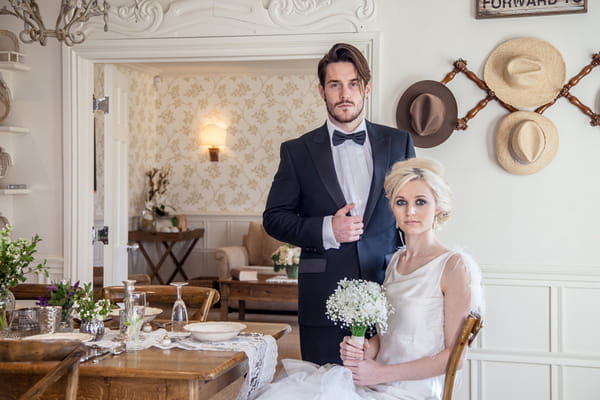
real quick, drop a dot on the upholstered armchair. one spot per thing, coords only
(254, 254)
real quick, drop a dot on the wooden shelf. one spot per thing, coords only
(13, 129)
(14, 191)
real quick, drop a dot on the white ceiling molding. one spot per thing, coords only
(193, 18)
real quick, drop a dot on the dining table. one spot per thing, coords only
(153, 373)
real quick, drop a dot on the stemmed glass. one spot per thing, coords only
(179, 315)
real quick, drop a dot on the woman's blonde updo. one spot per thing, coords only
(427, 170)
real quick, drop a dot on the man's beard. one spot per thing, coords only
(341, 119)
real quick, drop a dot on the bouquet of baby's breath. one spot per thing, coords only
(359, 305)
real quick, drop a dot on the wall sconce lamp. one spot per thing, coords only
(214, 136)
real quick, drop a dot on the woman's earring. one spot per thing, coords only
(401, 235)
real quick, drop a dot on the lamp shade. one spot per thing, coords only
(213, 135)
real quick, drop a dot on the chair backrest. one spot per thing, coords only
(30, 291)
(198, 300)
(473, 323)
(68, 352)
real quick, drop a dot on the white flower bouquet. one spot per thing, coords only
(89, 309)
(359, 305)
(286, 256)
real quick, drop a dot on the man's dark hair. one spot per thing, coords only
(344, 52)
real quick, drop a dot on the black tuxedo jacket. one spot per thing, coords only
(305, 189)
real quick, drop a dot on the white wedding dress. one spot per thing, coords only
(410, 336)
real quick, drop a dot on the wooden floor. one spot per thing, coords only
(288, 346)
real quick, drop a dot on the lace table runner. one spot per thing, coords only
(261, 351)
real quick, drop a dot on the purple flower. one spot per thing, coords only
(42, 301)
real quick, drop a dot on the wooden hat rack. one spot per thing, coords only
(460, 65)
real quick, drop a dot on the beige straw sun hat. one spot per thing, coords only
(526, 142)
(525, 72)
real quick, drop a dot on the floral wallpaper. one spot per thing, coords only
(259, 111)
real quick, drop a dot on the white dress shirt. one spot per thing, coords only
(354, 169)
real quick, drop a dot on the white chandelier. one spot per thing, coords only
(71, 16)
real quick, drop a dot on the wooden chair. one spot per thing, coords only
(30, 291)
(198, 300)
(68, 352)
(471, 327)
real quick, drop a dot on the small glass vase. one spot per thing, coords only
(94, 327)
(291, 271)
(7, 306)
(66, 320)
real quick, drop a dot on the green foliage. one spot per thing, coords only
(16, 257)
(89, 309)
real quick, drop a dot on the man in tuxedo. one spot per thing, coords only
(327, 198)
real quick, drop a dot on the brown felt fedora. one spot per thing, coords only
(428, 111)
(526, 142)
(525, 72)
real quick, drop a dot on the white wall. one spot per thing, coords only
(543, 219)
(38, 155)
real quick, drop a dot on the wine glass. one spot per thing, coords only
(179, 315)
(135, 309)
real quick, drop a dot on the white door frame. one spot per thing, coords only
(78, 84)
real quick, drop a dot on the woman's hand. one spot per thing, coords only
(350, 350)
(366, 372)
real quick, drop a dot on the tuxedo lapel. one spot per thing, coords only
(380, 147)
(320, 150)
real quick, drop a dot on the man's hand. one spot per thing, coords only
(346, 228)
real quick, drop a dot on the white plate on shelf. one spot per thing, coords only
(149, 314)
(82, 337)
(214, 331)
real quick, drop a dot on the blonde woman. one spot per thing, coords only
(432, 289)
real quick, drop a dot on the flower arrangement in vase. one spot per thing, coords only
(16, 258)
(359, 305)
(287, 257)
(91, 313)
(64, 295)
(157, 181)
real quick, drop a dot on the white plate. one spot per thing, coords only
(82, 337)
(149, 314)
(214, 331)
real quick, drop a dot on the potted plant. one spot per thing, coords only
(156, 216)
(91, 313)
(287, 257)
(64, 295)
(16, 257)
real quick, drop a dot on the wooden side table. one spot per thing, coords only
(259, 290)
(168, 239)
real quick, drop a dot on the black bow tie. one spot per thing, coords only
(357, 137)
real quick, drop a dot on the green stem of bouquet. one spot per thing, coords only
(358, 330)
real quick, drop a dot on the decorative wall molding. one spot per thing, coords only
(178, 18)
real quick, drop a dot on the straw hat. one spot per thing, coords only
(525, 72)
(428, 111)
(526, 142)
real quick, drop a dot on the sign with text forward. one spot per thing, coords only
(514, 8)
